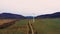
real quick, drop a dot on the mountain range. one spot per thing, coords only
(16, 16)
(10, 16)
(54, 15)
(29, 17)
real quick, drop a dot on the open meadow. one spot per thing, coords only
(18, 28)
(41, 26)
(47, 26)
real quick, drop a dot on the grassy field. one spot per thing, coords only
(47, 26)
(18, 28)
(42, 26)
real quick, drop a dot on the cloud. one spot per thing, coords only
(30, 7)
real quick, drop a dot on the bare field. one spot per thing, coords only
(2, 21)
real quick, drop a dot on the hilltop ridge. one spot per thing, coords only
(10, 16)
(53, 15)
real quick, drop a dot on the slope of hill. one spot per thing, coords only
(10, 16)
(54, 15)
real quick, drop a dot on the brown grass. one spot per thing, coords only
(2, 21)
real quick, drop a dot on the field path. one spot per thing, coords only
(31, 31)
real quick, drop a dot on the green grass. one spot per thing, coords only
(11, 30)
(47, 26)
(21, 22)
(42, 26)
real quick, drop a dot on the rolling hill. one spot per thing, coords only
(54, 15)
(10, 16)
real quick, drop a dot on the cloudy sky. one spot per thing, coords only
(29, 7)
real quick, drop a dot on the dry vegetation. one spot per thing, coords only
(2, 21)
(18, 28)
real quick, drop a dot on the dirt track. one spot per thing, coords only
(31, 29)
